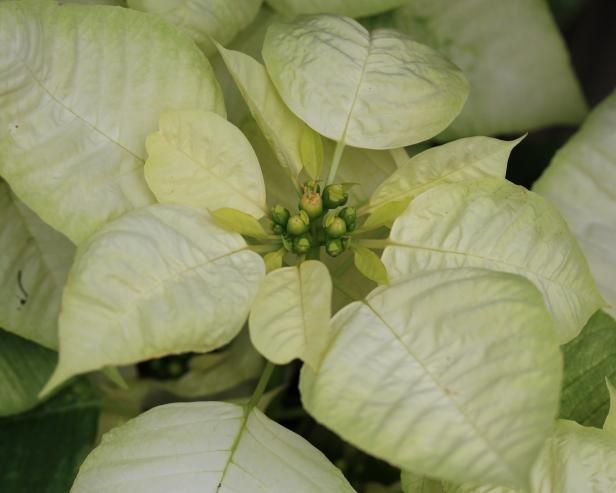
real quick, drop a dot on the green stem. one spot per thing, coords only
(373, 244)
(333, 169)
(261, 386)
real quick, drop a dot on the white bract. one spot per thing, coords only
(580, 181)
(206, 446)
(162, 279)
(418, 375)
(82, 86)
(494, 224)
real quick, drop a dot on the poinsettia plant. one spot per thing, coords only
(426, 297)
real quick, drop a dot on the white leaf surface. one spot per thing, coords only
(377, 90)
(452, 373)
(290, 315)
(199, 159)
(82, 87)
(513, 56)
(206, 447)
(34, 263)
(581, 181)
(491, 223)
(162, 279)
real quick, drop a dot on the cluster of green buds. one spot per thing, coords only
(317, 223)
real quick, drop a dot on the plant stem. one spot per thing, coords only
(261, 386)
(333, 169)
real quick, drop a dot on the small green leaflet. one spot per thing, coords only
(239, 221)
(311, 151)
(273, 260)
(370, 265)
(384, 215)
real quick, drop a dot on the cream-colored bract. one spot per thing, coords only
(162, 279)
(209, 447)
(376, 90)
(514, 57)
(463, 159)
(453, 373)
(204, 20)
(352, 8)
(282, 129)
(34, 263)
(82, 88)
(199, 159)
(290, 315)
(494, 224)
(580, 181)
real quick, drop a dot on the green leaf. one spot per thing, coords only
(610, 421)
(42, 449)
(199, 159)
(311, 151)
(581, 181)
(24, 369)
(493, 224)
(290, 315)
(464, 159)
(273, 260)
(204, 20)
(415, 483)
(162, 279)
(34, 263)
(75, 152)
(589, 359)
(422, 356)
(509, 93)
(370, 265)
(359, 88)
(384, 215)
(216, 447)
(576, 459)
(282, 129)
(351, 8)
(348, 283)
(238, 221)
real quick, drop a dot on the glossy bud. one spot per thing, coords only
(302, 244)
(280, 215)
(334, 247)
(334, 196)
(336, 228)
(349, 216)
(298, 224)
(312, 204)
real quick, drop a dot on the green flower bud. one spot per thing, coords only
(280, 215)
(334, 196)
(312, 204)
(298, 224)
(334, 247)
(278, 229)
(346, 242)
(302, 244)
(312, 186)
(336, 228)
(287, 243)
(349, 216)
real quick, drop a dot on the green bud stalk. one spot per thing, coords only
(334, 196)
